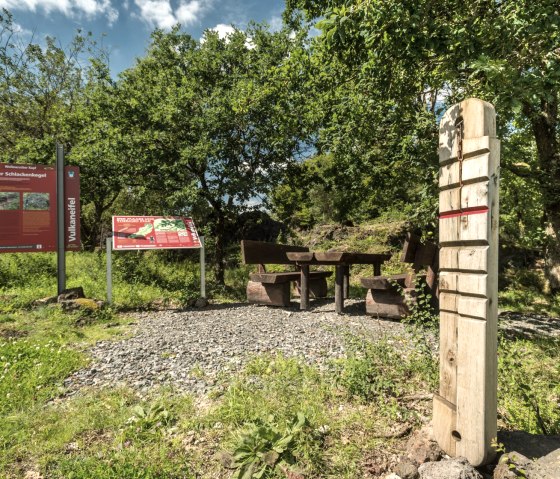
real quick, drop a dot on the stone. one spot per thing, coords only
(529, 445)
(45, 301)
(504, 469)
(406, 470)
(201, 303)
(393, 476)
(71, 293)
(547, 467)
(456, 468)
(422, 447)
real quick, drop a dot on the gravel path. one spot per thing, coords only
(187, 349)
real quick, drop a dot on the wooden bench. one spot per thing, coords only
(392, 296)
(273, 288)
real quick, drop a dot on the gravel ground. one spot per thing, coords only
(188, 349)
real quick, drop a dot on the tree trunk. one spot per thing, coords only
(545, 126)
(220, 250)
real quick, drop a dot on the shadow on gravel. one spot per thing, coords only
(528, 325)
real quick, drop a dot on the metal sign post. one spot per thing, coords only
(60, 219)
(109, 243)
(202, 268)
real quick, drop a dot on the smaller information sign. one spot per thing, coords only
(154, 232)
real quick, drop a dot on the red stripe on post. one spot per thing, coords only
(469, 211)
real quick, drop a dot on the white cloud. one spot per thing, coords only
(223, 30)
(70, 8)
(275, 23)
(160, 13)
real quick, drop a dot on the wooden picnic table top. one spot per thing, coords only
(337, 257)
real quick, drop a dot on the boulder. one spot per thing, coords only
(529, 445)
(71, 293)
(422, 447)
(456, 468)
(45, 301)
(406, 470)
(546, 467)
(509, 465)
(201, 303)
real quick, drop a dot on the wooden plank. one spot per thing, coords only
(445, 423)
(467, 259)
(472, 307)
(301, 257)
(425, 255)
(385, 283)
(448, 356)
(274, 278)
(479, 121)
(464, 283)
(411, 243)
(341, 257)
(268, 294)
(261, 252)
(448, 302)
(476, 390)
(464, 228)
(469, 196)
(388, 304)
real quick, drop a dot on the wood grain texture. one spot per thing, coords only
(445, 421)
(465, 411)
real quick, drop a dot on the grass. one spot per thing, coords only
(348, 406)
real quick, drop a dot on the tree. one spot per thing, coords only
(214, 124)
(504, 52)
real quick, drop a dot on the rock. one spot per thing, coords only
(393, 476)
(529, 445)
(456, 468)
(547, 467)
(508, 465)
(201, 303)
(45, 301)
(71, 293)
(406, 470)
(422, 447)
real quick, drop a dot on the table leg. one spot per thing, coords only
(346, 282)
(377, 269)
(339, 289)
(304, 295)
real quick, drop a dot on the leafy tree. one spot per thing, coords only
(503, 52)
(39, 87)
(214, 124)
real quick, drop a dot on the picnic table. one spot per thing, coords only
(342, 262)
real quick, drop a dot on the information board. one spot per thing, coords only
(28, 208)
(154, 232)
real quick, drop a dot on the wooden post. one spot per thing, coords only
(465, 410)
(339, 289)
(304, 298)
(346, 285)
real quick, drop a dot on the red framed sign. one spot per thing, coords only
(28, 208)
(154, 232)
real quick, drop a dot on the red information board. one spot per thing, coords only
(154, 232)
(28, 208)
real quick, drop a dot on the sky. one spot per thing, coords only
(123, 27)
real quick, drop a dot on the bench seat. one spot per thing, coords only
(385, 283)
(285, 277)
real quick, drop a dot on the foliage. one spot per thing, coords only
(378, 371)
(528, 390)
(263, 448)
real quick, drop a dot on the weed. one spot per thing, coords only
(262, 447)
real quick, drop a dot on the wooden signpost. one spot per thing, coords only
(465, 410)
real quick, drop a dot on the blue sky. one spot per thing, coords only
(124, 26)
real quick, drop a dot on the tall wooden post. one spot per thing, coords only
(465, 410)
